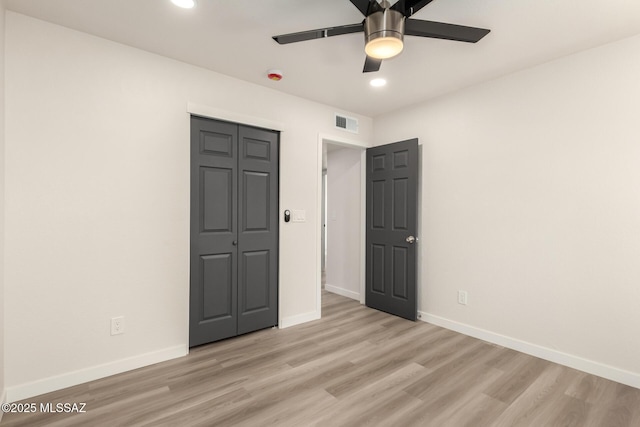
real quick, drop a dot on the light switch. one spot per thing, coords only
(298, 215)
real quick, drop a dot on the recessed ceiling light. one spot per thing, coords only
(185, 4)
(378, 82)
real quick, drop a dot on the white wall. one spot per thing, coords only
(97, 201)
(531, 203)
(2, 309)
(344, 222)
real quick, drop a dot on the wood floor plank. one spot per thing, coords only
(618, 407)
(352, 408)
(586, 388)
(458, 393)
(354, 367)
(485, 410)
(316, 373)
(516, 380)
(316, 402)
(535, 396)
(434, 382)
(569, 412)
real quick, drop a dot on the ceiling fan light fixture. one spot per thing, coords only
(384, 29)
(383, 34)
(384, 47)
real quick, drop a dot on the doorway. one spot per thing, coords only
(342, 209)
(397, 162)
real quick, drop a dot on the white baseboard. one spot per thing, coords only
(58, 382)
(341, 291)
(287, 322)
(589, 366)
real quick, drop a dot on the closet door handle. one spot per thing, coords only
(235, 243)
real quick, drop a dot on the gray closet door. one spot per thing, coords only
(234, 230)
(258, 230)
(392, 193)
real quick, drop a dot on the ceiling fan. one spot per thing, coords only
(384, 28)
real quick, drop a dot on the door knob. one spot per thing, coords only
(410, 239)
(235, 243)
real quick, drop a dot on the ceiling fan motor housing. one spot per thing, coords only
(387, 24)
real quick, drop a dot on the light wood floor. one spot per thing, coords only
(354, 367)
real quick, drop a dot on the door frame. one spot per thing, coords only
(359, 145)
(244, 119)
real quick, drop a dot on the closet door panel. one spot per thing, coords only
(258, 234)
(214, 254)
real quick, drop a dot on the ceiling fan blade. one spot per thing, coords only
(318, 34)
(367, 7)
(371, 65)
(409, 7)
(440, 30)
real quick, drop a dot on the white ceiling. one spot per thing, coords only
(234, 38)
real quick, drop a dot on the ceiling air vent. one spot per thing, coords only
(346, 123)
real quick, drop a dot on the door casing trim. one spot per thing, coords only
(230, 116)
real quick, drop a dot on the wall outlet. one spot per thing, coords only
(117, 325)
(462, 297)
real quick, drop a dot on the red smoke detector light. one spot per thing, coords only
(275, 75)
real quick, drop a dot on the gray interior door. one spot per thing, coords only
(258, 230)
(234, 230)
(392, 193)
